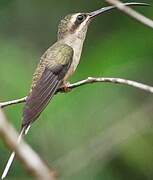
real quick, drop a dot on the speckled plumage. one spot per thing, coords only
(57, 64)
(64, 26)
(59, 52)
(47, 78)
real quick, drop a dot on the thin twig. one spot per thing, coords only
(139, 17)
(30, 159)
(135, 84)
(12, 102)
(90, 80)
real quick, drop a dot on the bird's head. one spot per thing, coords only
(77, 24)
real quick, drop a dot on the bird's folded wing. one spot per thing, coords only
(42, 93)
(56, 63)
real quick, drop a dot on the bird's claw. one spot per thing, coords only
(66, 88)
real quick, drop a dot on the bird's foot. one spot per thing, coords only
(65, 87)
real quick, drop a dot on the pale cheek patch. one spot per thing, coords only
(73, 19)
(83, 24)
(80, 29)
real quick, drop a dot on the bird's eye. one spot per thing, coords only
(81, 18)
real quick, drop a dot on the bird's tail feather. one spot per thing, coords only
(8, 165)
(10, 161)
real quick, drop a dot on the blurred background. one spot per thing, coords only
(98, 131)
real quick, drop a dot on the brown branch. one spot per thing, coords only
(26, 155)
(10, 136)
(91, 80)
(30, 160)
(139, 17)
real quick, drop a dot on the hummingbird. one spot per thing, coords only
(56, 65)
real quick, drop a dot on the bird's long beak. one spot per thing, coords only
(105, 9)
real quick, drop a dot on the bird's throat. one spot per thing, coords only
(77, 44)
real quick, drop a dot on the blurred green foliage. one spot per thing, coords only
(68, 133)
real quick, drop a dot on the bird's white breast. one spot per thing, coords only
(77, 45)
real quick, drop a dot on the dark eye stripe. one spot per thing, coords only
(79, 19)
